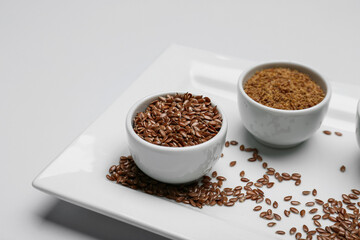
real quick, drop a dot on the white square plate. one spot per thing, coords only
(78, 174)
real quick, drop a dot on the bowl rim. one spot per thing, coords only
(289, 64)
(130, 130)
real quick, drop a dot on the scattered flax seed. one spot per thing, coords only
(264, 165)
(286, 213)
(317, 223)
(233, 163)
(287, 198)
(284, 88)
(302, 213)
(338, 134)
(222, 155)
(306, 193)
(314, 192)
(277, 217)
(244, 179)
(342, 168)
(233, 142)
(295, 203)
(271, 224)
(343, 215)
(319, 201)
(357, 192)
(327, 132)
(242, 147)
(314, 210)
(227, 144)
(309, 204)
(257, 208)
(294, 210)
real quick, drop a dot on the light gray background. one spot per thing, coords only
(63, 62)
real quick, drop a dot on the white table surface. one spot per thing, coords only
(63, 62)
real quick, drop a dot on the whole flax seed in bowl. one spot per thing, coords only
(178, 120)
(176, 137)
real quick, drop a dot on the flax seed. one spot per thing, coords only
(294, 210)
(233, 163)
(287, 198)
(280, 232)
(314, 210)
(355, 191)
(314, 192)
(166, 121)
(286, 213)
(264, 165)
(257, 208)
(309, 204)
(295, 203)
(281, 80)
(342, 168)
(271, 224)
(338, 134)
(277, 217)
(233, 142)
(317, 223)
(302, 213)
(244, 179)
(306, 193)
(292, 231)
(227, 144)
(327, 132)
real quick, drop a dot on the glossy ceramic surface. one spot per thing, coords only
(173, 165)
(357, 131)
(276, 127)
(78, 174)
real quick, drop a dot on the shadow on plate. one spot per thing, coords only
(94, 224)
(280, 153)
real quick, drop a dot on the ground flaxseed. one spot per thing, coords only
(284, 88)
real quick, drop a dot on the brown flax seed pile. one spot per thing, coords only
(284, 88)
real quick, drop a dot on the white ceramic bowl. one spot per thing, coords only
(170, 164)
(357, 131)
(276, 127)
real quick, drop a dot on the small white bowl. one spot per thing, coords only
(170, 164)
(276, 127)
(357, 131)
